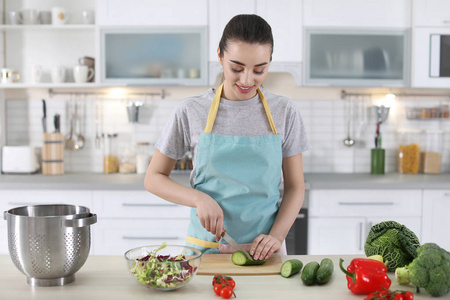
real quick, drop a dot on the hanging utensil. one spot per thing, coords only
(69, 140)
(78, 137)
(349, 141)
(97, 128)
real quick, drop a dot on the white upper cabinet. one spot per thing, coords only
(152, 12)
(357, 13)
(431, 13)
(220, 12)
(285, 18)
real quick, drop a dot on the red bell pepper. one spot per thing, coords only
(365, 276)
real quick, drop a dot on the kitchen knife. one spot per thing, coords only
(235, 245)
(56, 122)
(44, 118)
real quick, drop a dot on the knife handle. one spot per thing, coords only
(44, 108)
(56, 122)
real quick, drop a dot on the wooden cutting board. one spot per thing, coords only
(212, 264)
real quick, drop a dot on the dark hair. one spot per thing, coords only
(251, 29)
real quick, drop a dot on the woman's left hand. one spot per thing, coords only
(264, 246)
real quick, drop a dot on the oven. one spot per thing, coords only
(439, 55)
(431, 57)
(297, 238)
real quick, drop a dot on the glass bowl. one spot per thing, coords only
(163, 268)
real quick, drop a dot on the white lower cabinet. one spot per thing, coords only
(129, 219)
(339, 220)
(436, 221)
(15, 198)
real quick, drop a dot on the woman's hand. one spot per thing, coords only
(264, 246)
(211, 215)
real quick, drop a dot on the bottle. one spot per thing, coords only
(127, 161)
(142, 157)
(110, 161)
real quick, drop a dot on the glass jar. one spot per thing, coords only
(110, 160)
(143, 156)
(127, 161)
(409, 151)
(431, 152)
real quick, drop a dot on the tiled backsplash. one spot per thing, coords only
(325, 120)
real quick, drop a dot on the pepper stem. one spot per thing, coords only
(351, 275)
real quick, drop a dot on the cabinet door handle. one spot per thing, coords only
(446, 21)
(360, 235)
(301, 216)
(366, 203)
(147, 204)
(150, 238)
(446, 194)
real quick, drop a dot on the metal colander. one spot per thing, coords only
(49, 243)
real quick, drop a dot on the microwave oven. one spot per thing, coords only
(431, 57)
(440, 55)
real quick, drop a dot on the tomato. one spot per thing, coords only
(398, 296)
(231, 282)
(226, 292)
(408, 295)
(217, 288)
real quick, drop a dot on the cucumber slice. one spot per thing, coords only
(291, 267)
(238, 258)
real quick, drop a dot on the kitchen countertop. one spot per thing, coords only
(93, 181)
(106, 277)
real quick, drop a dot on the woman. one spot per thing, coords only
(243, 140)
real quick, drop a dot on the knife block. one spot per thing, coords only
(53, 154)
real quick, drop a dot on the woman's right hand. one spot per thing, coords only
(211, 215)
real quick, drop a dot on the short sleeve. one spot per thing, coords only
(174, 140)
(295, 138)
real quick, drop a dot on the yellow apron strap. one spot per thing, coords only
(213, 110)
(201, 243)
(269, 115)
(215, 107)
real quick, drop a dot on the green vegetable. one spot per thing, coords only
(239, 259)
(291, 267)
(430, 270)
(325, 271)
(310, 272)
(395, 242)
(162, 271)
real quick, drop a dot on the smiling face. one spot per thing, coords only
(245, 67)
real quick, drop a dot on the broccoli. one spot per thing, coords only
(430, 270)
(395, 242)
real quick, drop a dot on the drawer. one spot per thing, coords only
(354, 203)
(136, 204)
(14, 198)
(115, 237)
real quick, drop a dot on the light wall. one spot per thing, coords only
(323, 110)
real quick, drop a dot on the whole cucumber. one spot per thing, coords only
(310, 272)
(325, 271)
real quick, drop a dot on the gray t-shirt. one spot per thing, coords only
(237, 118)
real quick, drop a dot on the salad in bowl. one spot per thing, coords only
(163, 267)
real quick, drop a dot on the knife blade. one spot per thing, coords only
(235, 245)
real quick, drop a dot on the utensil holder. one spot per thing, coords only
(377, 161)
(53, 154)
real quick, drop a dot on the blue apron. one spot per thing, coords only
(241, 173)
